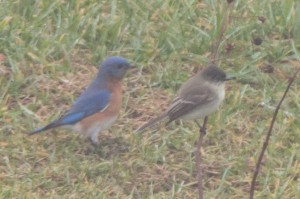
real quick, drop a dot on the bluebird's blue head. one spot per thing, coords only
(115, 67)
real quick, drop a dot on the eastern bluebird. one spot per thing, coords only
(198, 97)
(97, 108)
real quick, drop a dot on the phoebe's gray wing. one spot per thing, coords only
(189, 100)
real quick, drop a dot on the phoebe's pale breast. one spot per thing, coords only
(208, 108)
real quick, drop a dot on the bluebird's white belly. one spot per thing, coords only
(93, 130)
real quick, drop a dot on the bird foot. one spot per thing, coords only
(94, 142)
(203, 130)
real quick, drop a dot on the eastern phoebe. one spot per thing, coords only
(198, 97)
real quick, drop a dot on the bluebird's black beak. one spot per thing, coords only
(132, 67)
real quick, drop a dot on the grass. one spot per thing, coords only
(50, 51)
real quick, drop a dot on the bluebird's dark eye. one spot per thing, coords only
(120, 66)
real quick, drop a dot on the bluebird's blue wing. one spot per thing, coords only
(85, 106)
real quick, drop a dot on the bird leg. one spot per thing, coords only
(93, 142)
(199, 125)
(202, 127)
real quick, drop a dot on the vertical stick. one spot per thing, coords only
(264, 147)
(198, 157)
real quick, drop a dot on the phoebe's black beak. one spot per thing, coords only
(229, 78)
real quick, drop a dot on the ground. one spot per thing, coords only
(50, 51)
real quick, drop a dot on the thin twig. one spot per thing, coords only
(216, 45)
(265, 144)
(202, 132)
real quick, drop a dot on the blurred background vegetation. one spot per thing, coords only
(50, 51)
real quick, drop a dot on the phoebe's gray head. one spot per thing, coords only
(214, 74)
(115, 67)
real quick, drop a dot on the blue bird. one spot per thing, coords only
(97, 108)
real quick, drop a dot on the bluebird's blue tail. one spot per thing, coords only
(49, 126)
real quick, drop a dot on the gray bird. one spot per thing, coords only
(198, 97)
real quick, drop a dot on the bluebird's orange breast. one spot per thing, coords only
(92, 125)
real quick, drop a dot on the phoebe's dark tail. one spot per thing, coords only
(49, 126)
(152, 122)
